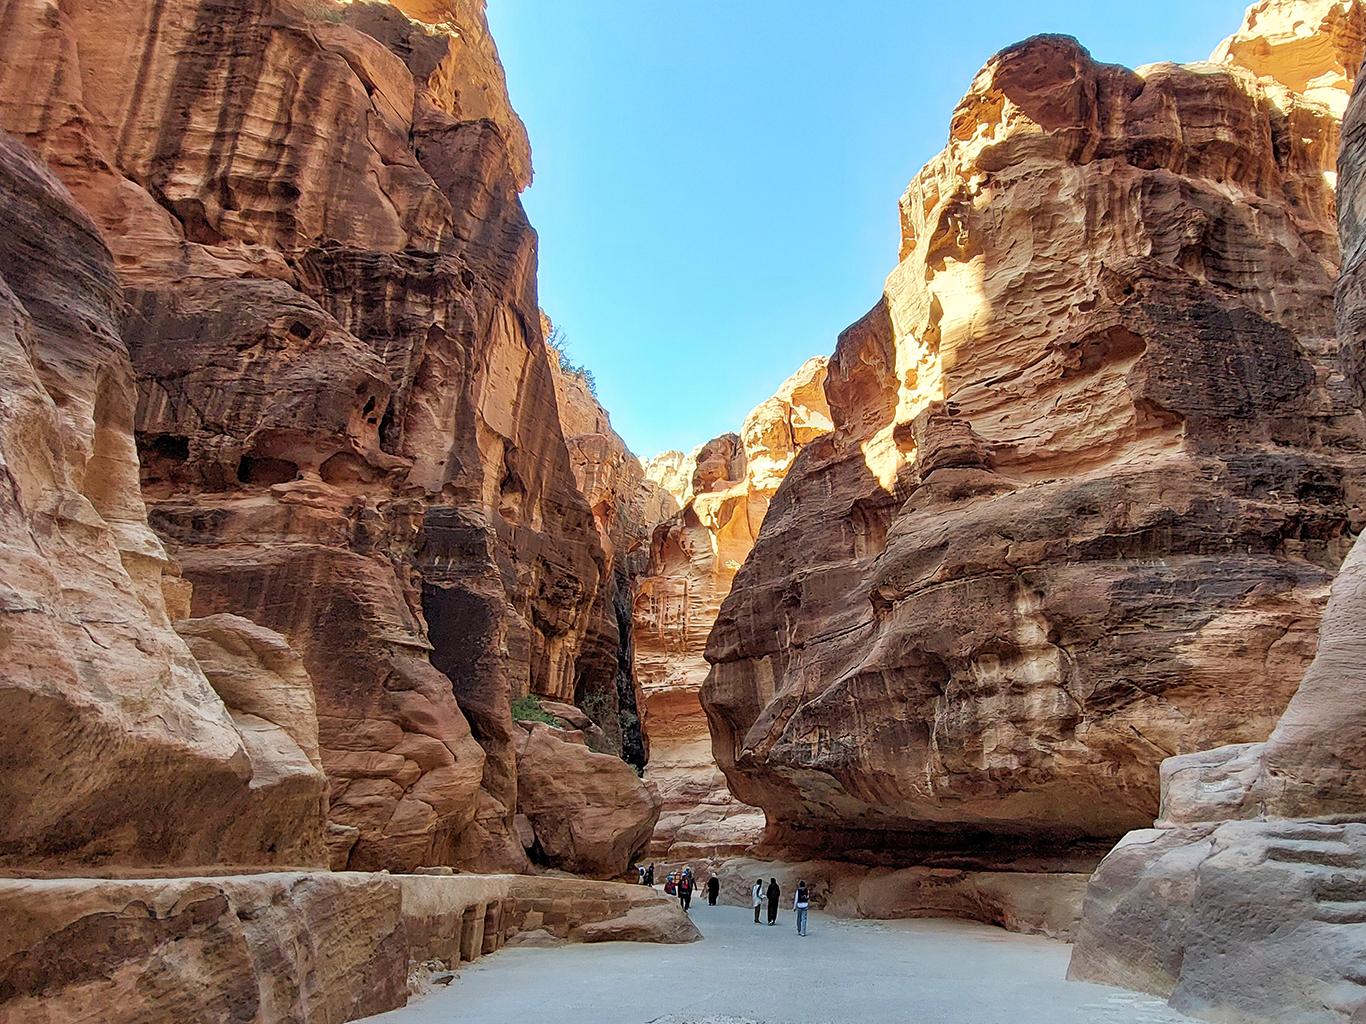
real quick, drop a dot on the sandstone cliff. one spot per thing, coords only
(116, 748)
(1093, 468)
(626, 507)
(693, 558)
(347, 425)
(1245, 902)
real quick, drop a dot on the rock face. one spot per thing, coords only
(1246, 902)
(1093, 468)
(283, 948)
(1310, 47)
(347, 425)
(693, 559)
(266, 949)
(114, 748)
(626, 507)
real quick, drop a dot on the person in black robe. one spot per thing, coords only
(773, 895)
(713, 890)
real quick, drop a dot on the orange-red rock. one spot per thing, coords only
(116, 750)
(1094, 466)
(589, 812)
(347, 424)
(693, 559)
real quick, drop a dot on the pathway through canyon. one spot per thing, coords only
(946, 972)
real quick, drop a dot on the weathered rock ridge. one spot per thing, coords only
(1094, 465)
(693, 557)
(1246, 901)
(116, 749)
(346, 420)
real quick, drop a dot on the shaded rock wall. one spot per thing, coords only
(1094, 466)
(281, 948)
(114, 748)
(693, 559)
(347, 424)
(626, 507)
(1246, 902)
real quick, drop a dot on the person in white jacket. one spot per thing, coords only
(758, 898)
(801, 899)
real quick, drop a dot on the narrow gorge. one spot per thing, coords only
(345, 640)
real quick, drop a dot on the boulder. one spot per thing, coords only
(664, 923)
(590, 813)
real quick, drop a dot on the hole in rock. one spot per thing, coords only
(300, 330)
(266, 471)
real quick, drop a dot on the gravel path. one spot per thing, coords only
(864, 972)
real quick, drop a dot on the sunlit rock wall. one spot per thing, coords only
(347, 425)
(693, 559)
(1094, 466)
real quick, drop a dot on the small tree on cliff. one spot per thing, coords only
(558, 343)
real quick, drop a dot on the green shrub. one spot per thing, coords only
(558, 342)
(528, 709)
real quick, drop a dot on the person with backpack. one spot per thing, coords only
(800, 902)
(758, 895)
(773, 894)
(713, 890)
(685, 891)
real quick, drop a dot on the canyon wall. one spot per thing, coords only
(346, 422)
(693, 558)
(1095, 463)
(116, 747)
(1245, 901)
(626, 507)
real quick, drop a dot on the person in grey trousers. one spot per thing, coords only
(800, 901)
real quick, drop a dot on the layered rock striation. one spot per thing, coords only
(693, 558)
(1094, 465)
(116, 748)
(347, 425)
(1245, 902)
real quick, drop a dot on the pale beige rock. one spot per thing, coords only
(664, 923)
(1312, 47)
(1030, 902)
(257, 673)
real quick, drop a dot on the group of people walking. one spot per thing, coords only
(684, 883)
(801, 901)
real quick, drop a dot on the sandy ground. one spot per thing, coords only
(865, 972)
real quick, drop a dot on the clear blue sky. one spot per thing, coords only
(716, 180)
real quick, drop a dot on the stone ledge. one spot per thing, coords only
(283, 946)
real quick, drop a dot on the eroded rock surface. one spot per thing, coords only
(347, 423)
(693, 558)
(589, 812)
(1093, 468)
(114, 748)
